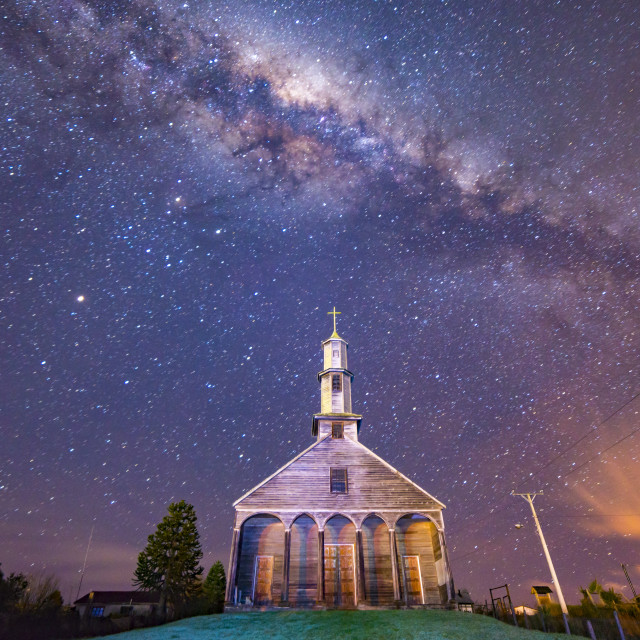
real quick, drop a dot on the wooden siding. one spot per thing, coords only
(262, 535)
(350, 428)
(304, 484)
(378, 576)
(303, 568)
(325, 391)
(346, 386)
(414, 538)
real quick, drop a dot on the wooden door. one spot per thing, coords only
(263, 579)
(412, 580)
(339, 575)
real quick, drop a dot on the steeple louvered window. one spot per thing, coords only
(336, 382)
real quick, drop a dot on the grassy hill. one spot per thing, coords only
(354, 625)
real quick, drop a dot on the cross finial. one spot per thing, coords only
(334, 313)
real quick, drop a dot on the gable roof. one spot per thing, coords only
(120, 597)
(303, 483)
(541, 590)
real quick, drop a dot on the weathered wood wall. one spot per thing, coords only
(377, 562)
(325, 394)
(414, 535)
(262, 535)
(303, 568)
(346, 381)
(373, 486)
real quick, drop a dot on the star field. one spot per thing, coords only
(187, 188)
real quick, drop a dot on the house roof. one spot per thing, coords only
(541, 590)
(463, 597)
(303, 482)
(120, 597)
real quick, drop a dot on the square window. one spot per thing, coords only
(337, 430)
(339, 480)
(336, 382)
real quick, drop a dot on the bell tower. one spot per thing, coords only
(335, 379)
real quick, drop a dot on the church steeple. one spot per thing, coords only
(335, 379)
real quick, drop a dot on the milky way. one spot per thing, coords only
(187, 189)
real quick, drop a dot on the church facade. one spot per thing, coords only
(337, 526)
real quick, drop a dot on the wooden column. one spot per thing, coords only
(233, 567)
(362, 595)
(394, 564)
(445, 555)
(285, 568)
(320, 594)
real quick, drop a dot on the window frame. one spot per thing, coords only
(336, 377)
(343, 482)
(337, 428)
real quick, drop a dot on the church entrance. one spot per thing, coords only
(412, 580)
(339, 575)
(263, 580)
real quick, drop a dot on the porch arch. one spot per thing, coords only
(261, 536)
(420, 560)
(376, 551)
(303, 563)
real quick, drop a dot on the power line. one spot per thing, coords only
(598, 515)
(500, 508)
(616, 443)
(579, 440)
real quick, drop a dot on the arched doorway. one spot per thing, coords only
(417, 543)
(260, 560)
(378, 576)
(303, 563)
(339, 562)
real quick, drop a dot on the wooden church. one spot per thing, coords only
(337, 526)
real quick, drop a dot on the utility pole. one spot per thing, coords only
(529, 497)
(626, 573)
(84, 564)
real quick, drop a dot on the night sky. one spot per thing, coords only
(187, 188)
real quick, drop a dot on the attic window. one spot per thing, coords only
(337, 430)
(338, 480)
(336, 382)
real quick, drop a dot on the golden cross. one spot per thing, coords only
(334, 313)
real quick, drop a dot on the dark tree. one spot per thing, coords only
(170, 561)
(12, 589)
(214, 588)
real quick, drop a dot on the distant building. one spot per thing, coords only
(102, 604)
(463, 600)
(542, 594)
(523, 609)
(337, 526)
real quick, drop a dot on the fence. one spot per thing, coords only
(606, 625)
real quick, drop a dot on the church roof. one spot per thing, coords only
(303, 483)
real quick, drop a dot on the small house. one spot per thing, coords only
(463, 600)
(102, 604)
(524, 610)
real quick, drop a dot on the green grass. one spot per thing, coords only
(327, 625)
